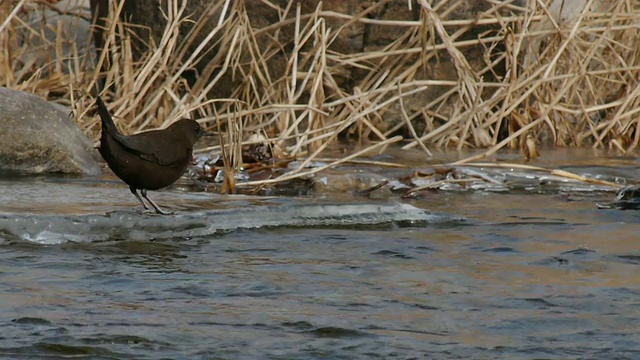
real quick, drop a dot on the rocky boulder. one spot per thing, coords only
(36, 137)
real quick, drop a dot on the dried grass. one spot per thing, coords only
(542, 80)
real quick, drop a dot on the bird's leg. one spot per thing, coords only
(135, 192)
(156, 207)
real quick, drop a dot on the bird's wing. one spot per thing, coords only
(156, 148)
(109, 129)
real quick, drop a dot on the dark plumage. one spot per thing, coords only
(148, 160)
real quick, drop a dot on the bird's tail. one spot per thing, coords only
(107, 121)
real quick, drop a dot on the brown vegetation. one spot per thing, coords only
(528, 77)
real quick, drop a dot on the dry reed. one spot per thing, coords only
(541, 79)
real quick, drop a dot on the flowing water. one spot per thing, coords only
(531, 274)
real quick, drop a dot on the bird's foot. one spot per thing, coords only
(164, 212)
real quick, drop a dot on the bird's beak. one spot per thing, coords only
(207, 133)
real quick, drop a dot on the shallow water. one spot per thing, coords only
(531, 275)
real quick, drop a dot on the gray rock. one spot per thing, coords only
(36, 137)
(64, 30)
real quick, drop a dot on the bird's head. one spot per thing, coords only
(191, 130)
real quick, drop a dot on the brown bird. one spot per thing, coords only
(148, 160)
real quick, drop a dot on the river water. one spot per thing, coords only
(527, 275)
